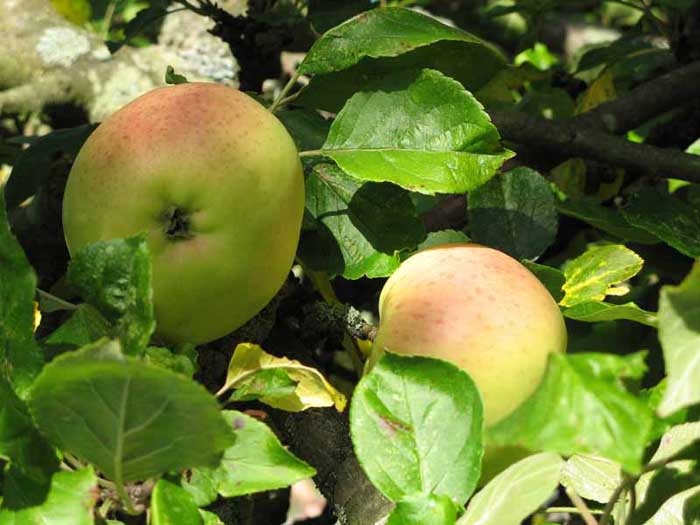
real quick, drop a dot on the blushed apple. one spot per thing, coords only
(479, 309)
(216, 182)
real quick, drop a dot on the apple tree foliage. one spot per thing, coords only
(414, 131)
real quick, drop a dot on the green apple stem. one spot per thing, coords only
(282, 98)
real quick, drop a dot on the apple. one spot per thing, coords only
(483, 311)
(215, 181)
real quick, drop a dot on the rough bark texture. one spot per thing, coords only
(45, 59)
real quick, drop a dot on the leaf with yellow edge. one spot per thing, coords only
(599, 271)
(37, 316)
(602, 89)
(277, 381)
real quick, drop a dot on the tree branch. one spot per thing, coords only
(568, 138)
(645, 101)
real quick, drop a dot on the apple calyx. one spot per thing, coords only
(177, 224)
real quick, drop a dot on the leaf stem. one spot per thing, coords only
(570, 510)
(310, 153)
(107, 20)
(282, 96)
(583, 509)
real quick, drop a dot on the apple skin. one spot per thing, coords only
(479, 309)
(215, 181)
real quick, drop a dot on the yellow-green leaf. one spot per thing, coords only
(279, 382)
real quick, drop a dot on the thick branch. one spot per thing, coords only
(570, 139)
(646, 101)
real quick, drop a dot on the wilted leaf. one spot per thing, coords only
(254, 370)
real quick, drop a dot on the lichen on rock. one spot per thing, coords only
(61, 46)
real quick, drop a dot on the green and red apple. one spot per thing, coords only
(481, 310)
(215, 181)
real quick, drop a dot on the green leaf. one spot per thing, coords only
(77, 12)
(360, 227)
(85, 325)
(130, 419)
(201, 485)
(115, 277)
(256, 462)
(606, 219)
(516, 492)
(420, 130)
(416, 426)
(266, 377)
(552, 278)
(34, 164)
(20, 442)
(20, 356)
(679, 333)
(209, 518)
(654, 489)
(173, 78)
(137, 25)
(669, 218)
(185, 364)
(595, 312)
(70, 500)
(173, 505)
(384, 32)
(576, 388)
(308, 129)
(472, 65)
(592, 477)
(538, 55)
(423, 509)
(442, 237)
(593, 275)
(325, 14)
(680, 509)
(515, 213)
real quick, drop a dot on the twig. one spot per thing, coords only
(567, 138)
(582, 507)
(646, 101)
